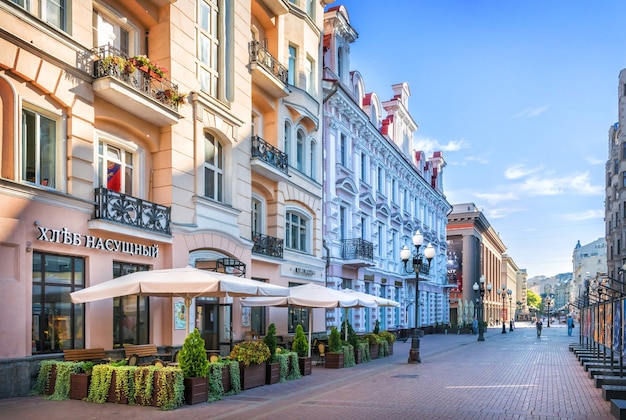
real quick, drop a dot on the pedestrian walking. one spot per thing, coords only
(475, 326)
(539, 327)
(570, 325)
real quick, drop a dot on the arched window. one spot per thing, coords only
(300, 151)
(213, 168)
(297, 228)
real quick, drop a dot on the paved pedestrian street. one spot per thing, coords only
(508, 376)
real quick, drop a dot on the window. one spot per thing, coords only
(343, 149)
(215, 45)
(342, 223)
(300, 151)
(363, 167)
(296, 228)
(363, 228)
(624, 150)
(309, 73)
(310, 8)
(291, 76)
(624, 178)
(380, 241)
(213, 168)
(257, 319)
(113, 30)
(39, 148)
(287, 139)
(131, 314)
(54, 12)
(297, 316)
(115, 168)
(394, 191)
(58, 324)
(381, 184)
(313, 159)
(257, 216)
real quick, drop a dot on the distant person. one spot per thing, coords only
(570, 325)
(539, 327)
(475, 326)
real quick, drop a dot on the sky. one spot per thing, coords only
(518, 95)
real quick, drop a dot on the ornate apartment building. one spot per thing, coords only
(377, 193)
(140, 135)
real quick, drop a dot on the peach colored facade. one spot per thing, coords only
(106, 164)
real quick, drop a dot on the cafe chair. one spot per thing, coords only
(321, 357)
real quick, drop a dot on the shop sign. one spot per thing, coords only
(64, 236)
(305, 271)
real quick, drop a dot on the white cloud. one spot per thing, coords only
(519, 171)
(497, 197)
(429, 145)
(542, 186)
(585, 215)
(595, 161)
(499, 213)
(577, 183)
(532, 112)
(580, 182)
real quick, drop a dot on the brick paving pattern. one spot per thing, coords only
(508, 376)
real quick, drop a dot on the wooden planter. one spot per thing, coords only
(272, 373)
(112, 396)
(252, 375)
(358, 356)
(226, 379)
(196, 390)
(334, 360)
(374, 348)
(51, 383)
(304, 363)
(79, 386)
(390, 349)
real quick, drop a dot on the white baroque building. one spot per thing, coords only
(377, 193)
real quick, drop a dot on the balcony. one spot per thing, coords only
(135, 87)
(357, 252)
(267, 245)
(267, 72)
(268, 160)
(131, 211)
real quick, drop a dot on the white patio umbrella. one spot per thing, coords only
(187, 283)
(379, 301)
(312, 296)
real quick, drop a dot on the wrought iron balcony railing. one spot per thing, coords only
(267, 245)
(262, 57)
(137, 75)
(268, 153)
(131, 211)
(357, 249)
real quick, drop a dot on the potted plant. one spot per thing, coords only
(289, 365)
(252, 356)
(372, 339)
(334, 355)
(193, 363)
(80, 380)
(353, 340)
(301, 346)
(272, 374)
(390, 338)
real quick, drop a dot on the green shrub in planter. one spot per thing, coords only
(192, 358)
(248, 352)
(389, 337)
(334, 340)
(270, 341)
(300, 344)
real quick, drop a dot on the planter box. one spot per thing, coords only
(196, 390)
(334, 360)
(112, 396)
(272, 373)
(79, 386)
(390, 349)
(252, 375)
(304, 363)
(226, 379)
(374, 351)
(358, 356)
(51, 383)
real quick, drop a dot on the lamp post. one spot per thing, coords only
(510, 293)
(549, 302)
(405, 254)
(481, 305)
(503, 294)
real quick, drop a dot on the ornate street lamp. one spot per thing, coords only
(405, 254)
(481, 306)
(503, 294)
(510, 293)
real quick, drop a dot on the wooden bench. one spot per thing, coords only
(145, 350)
(79, 355)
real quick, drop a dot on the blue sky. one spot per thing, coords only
(519, 96)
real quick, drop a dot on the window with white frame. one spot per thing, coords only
(343, 149)
(54, 12)
(116, 166)
(114, 30)
(257, 215)
(364, 228)
(287, 139)
(213, 168)
(343, 228)
(381, 240)
(313, 159)
(300, 150)
(292, 65)
(39, 148)
(209, 46)
(297, 231)
(363, 167)
(309, 72)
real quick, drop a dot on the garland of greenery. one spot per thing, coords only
(144, 384)
(365, 351)
(348, 355)
(171, 388)
(62, 383)
(283, 360)
(384, 348)
(294, 372)
(100, 383)
(43, 378)
(216, 387)
(235, 378)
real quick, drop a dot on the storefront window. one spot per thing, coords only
(130, 313)
(58, 324)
